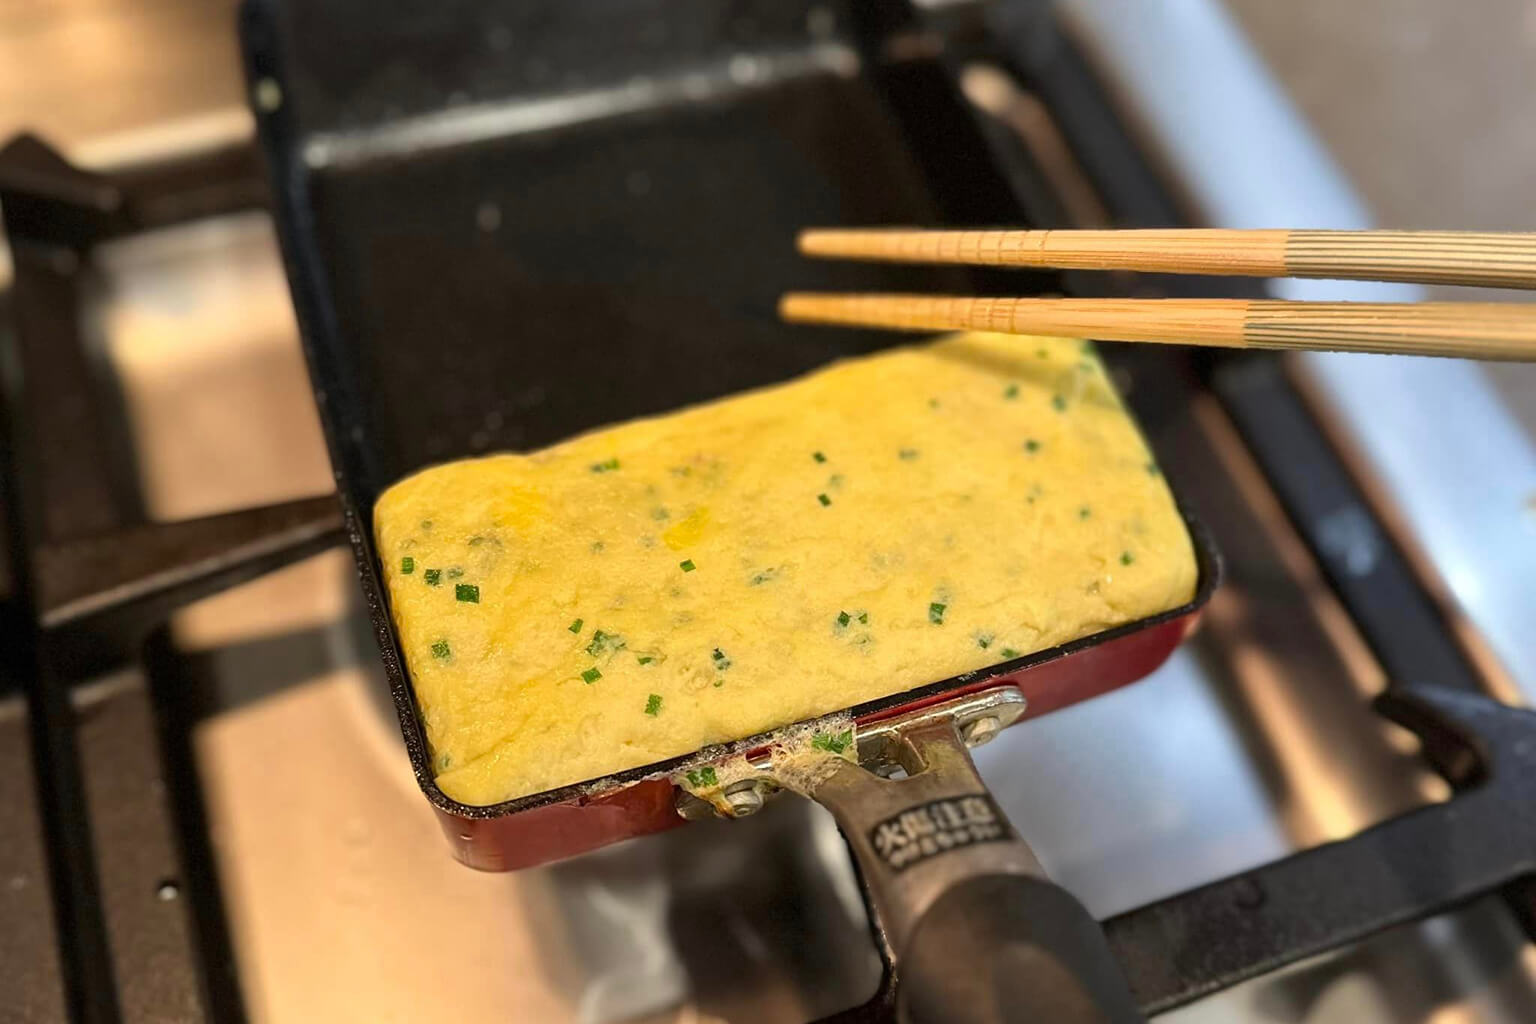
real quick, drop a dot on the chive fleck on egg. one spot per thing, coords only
(668, 584)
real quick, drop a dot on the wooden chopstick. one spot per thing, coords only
(1473, 330)
(1490, 259)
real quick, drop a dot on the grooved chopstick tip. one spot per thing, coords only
(811, 241)
(792, 306)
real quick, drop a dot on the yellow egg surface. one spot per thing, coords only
(642, 591)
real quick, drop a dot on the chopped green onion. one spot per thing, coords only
(653, 705)
(703, 777)
(843, 618)
(687, 565)
(575, 626)
(597, 546)
(1031, 445)
(1012, 391)
(407, 565)
(721, 659)
(933, 403)
(1126, 558)
(1009, 652)
(432, 577)
(864, 618)
(936, 613)
(1084, 512)
(606, 466)
(644, 659)
(602, 643)
(1059, 403)
(426, 524)
(660, 514)
(1152, 469)
(469, 593)
(984, 641)
(825, 501)
(833, 743)
(765, 576)
(455, 573)
(591, 675)
(818, 456)
(907, 454)
(440, 649)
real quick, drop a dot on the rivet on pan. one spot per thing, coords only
(745, 797)
(981, 730)
(488, 216)
(691, 808)
(269, 95)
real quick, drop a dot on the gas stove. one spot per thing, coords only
(1318, 809)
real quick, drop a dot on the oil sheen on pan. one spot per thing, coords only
(650, 588)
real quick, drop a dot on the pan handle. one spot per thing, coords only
(976, 932)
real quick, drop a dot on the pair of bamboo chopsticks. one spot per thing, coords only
(1474, 330)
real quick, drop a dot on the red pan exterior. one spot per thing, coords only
(556, 830)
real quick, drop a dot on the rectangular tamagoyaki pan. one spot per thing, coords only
(476, 268)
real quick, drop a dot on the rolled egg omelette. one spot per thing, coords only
(651, 588)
